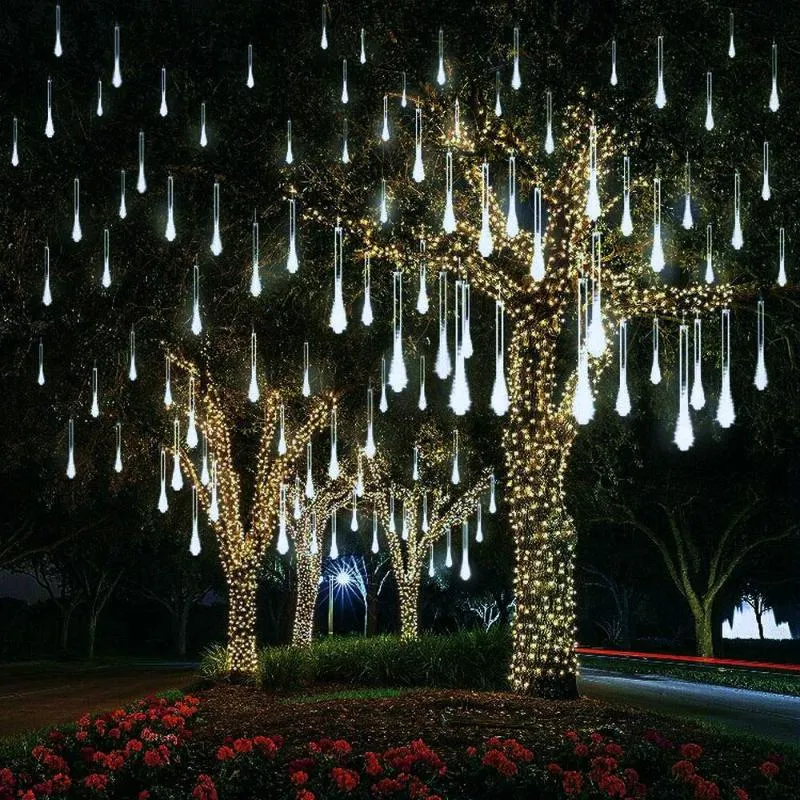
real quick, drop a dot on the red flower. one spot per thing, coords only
(741, 794)
(705, 790)
(29, 795)
(242, 746)
(133, 746)
(387, 786)
(96, 782)
(340, 747)
(7, 777)
(472, 751)
(596, 737)
(267, 746)
(572, 783)
(114, 733)
(554, 769)
(143, 795)
(571, 736)
(612, 786)
(691, 751)
(631, 776)
(154, 758)
(304, 794)
(205, 789)
(61, 782)
(613, 749)
(499, 761)
(683, 770)
(81, 736)
(581, 750)
(299, 778)
(372, 765)
(769, 769)
(224, 753)
(345, 779)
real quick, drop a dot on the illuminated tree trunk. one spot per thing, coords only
(408, 584)
(242, 585)
(309, 568)
(537, 442)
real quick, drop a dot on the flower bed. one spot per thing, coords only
(146, 753)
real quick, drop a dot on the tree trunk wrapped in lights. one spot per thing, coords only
(409, 555)
(541, 425)
(242, 549)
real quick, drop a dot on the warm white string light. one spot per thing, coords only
(684, 435)
(725, 410)
(760, 380)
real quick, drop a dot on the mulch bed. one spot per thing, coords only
(447, 720)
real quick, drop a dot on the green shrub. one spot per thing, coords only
(468, 660)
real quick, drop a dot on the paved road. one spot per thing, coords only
(31, 702)
(770, 715)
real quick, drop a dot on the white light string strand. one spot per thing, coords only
(459, 392)
(216, 241)
(123, 209)
(345, 148)
(282, 545)
(338, 317)
(549, 143)
(194, 544)
(14, 143)
(661, 95)
(422, 404)
(687, 221)
(485, 240)
(774, 103)
(731, 45)
(423, 303)
(292, 261)
(40, 375)
(49, 130)
(204, 475)
(418, 173)
(191, 428)
(613, 80)
(583, 399)
(498, 108)
(766, 191)
(289, 152)
(455, 474)
(323, 42)
(499, 400)
(443, 365)
(655, 369)
(116, 80)
(398, 377)
(281, 430)
(626, 225)
(306, 389)
(197, 323)
(203, 133)
(623, 404)
(310, 492)
(383, 405)
(369, 445)
(709, 276)
(177, 478)
(99, 110)
(593, 209)
(465, 572)
(697, 400)
(516, 78)
(512, 223)
(441, 77)
(367, 316)
(163, 110)
(255, 275)
(781, 257)
(169, 231)
(71, 449)
(95, 408)
(684, 435)
(132, 371)
(595, 333)
(250, 80)
(657, 261)
(141, 182)
(726, 414)
(253, 393)
(449, 219)
(57, 49)
(537, 259)
(333, 464)
(47, 296)
(760, 380)
(737, 239)
(163, 503)
(167, 381)
(105, 279)
(77, 233)
(709, 102)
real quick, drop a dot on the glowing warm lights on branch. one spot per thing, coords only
(760, 379)
(684, 435)
(725, 411)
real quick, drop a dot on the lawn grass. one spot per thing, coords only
(734, 677)
(346, 694)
